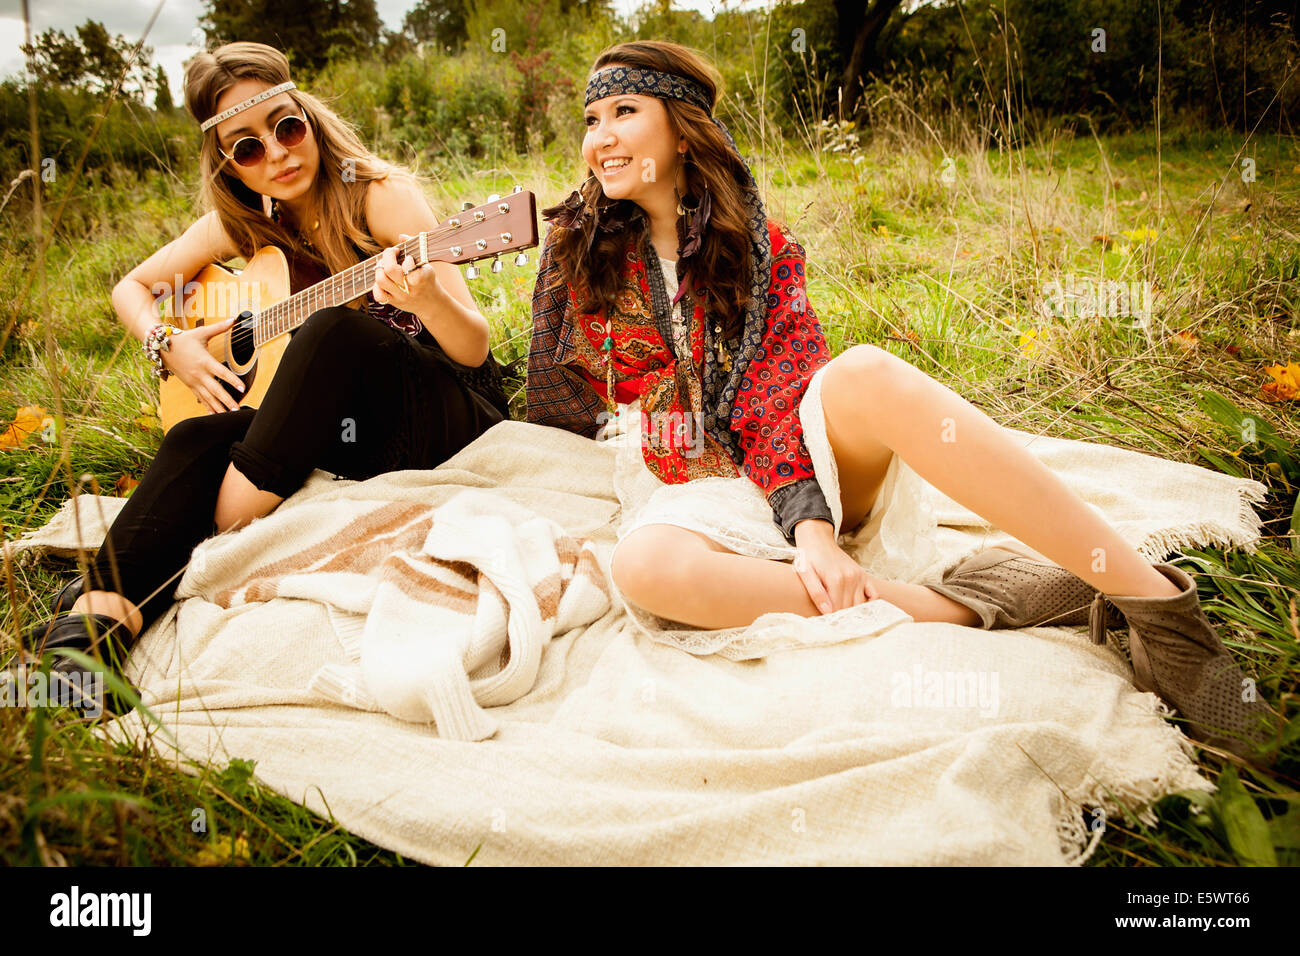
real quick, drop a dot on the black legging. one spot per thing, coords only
(352, 396)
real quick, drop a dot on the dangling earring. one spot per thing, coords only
(697, 216)
(681, 210)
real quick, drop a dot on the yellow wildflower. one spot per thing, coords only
(1140, 235)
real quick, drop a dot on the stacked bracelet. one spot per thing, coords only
(155, 343)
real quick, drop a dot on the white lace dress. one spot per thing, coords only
(893, 541)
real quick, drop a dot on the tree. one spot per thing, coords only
(439, 22)
(861, 23)
(309, 32)
(92, 61)
(162, 100)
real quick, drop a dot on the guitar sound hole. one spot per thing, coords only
(241, 338)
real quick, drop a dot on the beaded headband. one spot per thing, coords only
(251, 101)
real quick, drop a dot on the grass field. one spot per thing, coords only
(981, 266)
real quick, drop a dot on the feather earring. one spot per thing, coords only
(697, 217)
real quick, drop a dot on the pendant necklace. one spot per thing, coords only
(275, 217)
(607, 347)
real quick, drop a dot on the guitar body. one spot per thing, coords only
(217, 294)
(259, 296)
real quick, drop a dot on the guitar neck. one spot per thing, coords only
(500, 225)
(340, 288)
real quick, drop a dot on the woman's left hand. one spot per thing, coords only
(422, 293)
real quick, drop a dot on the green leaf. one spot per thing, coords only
(1228, 466)
(1243, 825)
(235, 778)
(1222, 411)
(1286, 829)
(1295, 526)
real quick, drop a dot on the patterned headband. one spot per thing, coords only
(622, 79)
(251, 101)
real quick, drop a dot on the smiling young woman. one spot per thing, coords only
(666, 296)
(411, 369)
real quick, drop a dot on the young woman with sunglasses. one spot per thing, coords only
(670, 315)
(413, 371)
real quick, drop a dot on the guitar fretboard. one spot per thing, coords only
(287, 314)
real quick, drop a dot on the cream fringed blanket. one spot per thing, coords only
(890, 742)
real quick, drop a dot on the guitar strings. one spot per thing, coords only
(239, 337)
(340, 280)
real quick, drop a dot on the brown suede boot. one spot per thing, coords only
(1178, 656)
(1007, 588)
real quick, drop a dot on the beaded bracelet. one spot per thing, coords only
(155, 343)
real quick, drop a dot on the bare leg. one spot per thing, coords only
(966, 455)
(240, 501)
(110, 604)
(709, 586)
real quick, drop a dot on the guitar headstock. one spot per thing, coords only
(502, 224)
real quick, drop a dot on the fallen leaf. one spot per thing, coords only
(28, 420)
(124, 486)
(1285, 385)
(1185, 339)
(1104, 239)
(1028, 342)
(147, 422)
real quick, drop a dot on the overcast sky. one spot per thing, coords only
(173, 34)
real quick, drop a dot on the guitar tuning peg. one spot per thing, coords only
(471, 272)
(521, 259)
(493, 198)
(496, 264)
(517, 189)
(466, 205)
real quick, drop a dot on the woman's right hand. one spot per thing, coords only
(189, 360)
(832, 578)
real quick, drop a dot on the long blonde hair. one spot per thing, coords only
(339, 199)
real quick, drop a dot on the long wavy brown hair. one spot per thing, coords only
(340, 199)
(719, 272)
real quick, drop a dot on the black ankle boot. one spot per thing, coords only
(105, 640)
(67, 597)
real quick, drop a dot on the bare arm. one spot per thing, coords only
(166, 271)
(136, 296)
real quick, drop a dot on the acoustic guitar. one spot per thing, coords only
(266, 312)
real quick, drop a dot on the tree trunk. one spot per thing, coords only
(863, 21)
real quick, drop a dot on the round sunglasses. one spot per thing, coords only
(289, 132)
